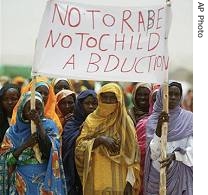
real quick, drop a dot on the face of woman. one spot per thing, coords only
(66, 105)
(26, 109)
(174, 97)
(61, 85)
(89, 104)
(108, 98)
(43, 90)
(142, 97)
(9, 100)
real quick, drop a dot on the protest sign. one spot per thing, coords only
(89, 42)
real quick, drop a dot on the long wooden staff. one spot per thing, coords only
(33, 126)
(163, 178)
(164, 141)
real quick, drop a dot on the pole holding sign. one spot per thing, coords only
(164, 141)
(163, 179)
(33, 126)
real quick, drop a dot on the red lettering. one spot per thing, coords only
(124, 20)
(151, 19)
(131, 42)
(141, 21)
(127, 64)
(50, 37)
(70, 62)
(158, 62)
(82, 38)
(56, 9)
(91, 39)
(101, 40)
(76, 12)
(119, 41)
(150, 62)
(137, 63)
(65, 39)
(158, 17)
(155, 63)
(166, 63)
(161, 63)
(150, 48)
(108, 62)
(138, 42)
(108, 16)
(93, 62)
(93, 17)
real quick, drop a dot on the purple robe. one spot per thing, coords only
(179, 175)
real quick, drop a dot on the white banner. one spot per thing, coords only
(89, 42)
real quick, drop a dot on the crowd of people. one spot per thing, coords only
(92, 140)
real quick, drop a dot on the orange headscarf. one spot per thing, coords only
(59, 96)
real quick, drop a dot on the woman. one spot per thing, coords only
(23, 173)
(19, 80)
(86, 103)
(61, 83)
(9, 96)
(106, 152)
(65, 103)
(141, 125)
(49, 99)
(140, 98)
(179, 161)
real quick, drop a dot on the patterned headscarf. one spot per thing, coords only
(26, 97)
(22, 126)
(49, 108)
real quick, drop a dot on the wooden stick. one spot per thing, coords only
(164, 141)
(33, 126)
(163, 179)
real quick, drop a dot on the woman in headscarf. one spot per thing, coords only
(141, 131)
(86, 103)
(46, 90)
(106, 152)
(141, 125)
(179, 161)
(23, 173)
(140, 98)
(61, 83)
(19, 80)
(65, 103)
(9, 96)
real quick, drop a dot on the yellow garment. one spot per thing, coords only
(18, 79)
(101, 171)
(49, 108)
